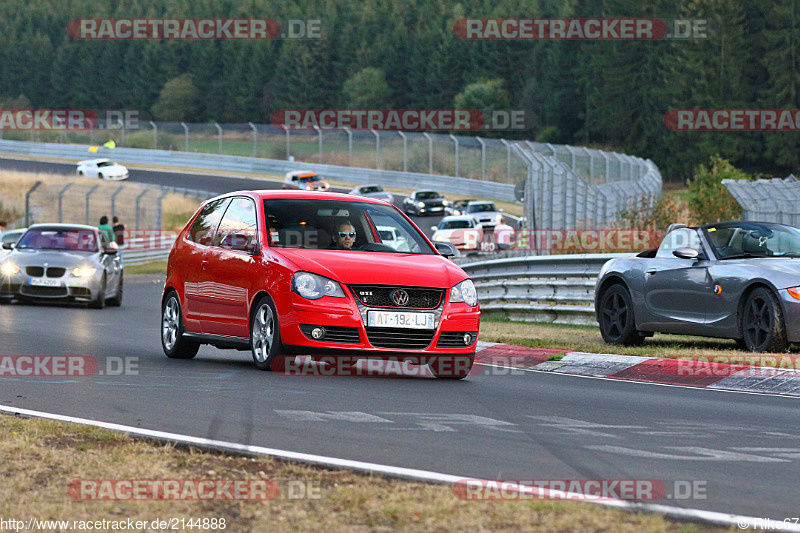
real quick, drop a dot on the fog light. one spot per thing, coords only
(317, 333)
(467, 339)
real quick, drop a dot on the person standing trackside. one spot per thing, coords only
(119, 231)
(504, 235)
(106, 230)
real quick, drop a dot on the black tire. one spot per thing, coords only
(761, 325)
(116, 301)
(100, 176)
(100, 300)
(80, 173)
(452, 366)
(265, 337)
(172, 329)
(617, 322)
(5, 301)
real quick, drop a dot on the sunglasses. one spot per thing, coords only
(343, 234)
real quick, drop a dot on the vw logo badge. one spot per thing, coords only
(399, 297)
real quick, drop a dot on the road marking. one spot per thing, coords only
(705, 454)
(342, 416)
(582, 427)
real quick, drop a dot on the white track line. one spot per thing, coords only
(393, 471)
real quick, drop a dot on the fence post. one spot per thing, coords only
(28, 217)
(60, 198)
(114, 200)
(288, 143)
(91, 136)
(88, 196)
(319, 139)
(164, 192)
(456, 142)
(430, 151)
(155, 135)
(377, 149)
(138, 199)
(508, 159)
(349, 146)
(591, 164)
(185, 136)
(405, 151)
(483, 157)
(255, 138)
(219, 130)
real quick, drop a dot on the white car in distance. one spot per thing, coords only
(103, 169)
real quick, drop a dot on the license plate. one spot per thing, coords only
(45, 282)
(396, 319)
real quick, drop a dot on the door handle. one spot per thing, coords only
(651, 270)
(204, 264)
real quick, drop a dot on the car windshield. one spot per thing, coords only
(375, 188)
(428, 195)
(106, 164)
(480, 208)
(307, 179)
(11, 236)
(310, 223)
(76, 240)
(749, 239)
(455, 224)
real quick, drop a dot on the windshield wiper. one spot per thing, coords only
(745, 256)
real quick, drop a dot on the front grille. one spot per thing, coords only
(30, 290)
(455, 339)
(36, 272)
(80, 291)
(379, 296)
(401, 339)
(333, 334)
(53, 272)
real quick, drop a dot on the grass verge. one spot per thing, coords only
(48, 455)
(154, 267)
(588, 339)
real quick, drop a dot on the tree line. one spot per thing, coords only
(405, 55)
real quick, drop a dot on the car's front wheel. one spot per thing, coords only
(762, 326)
(116, 301)
(172, 341)
(617, 325)
(265, 337)
(99, 301)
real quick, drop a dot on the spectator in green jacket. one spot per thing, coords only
(107, 232)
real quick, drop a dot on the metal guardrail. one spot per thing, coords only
(554, 288)
(144, 249)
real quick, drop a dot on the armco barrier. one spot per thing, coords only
(551, 288)
(143, 249)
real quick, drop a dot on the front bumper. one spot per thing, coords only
(69, 288)
(346, 333)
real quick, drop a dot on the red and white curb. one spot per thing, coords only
(703, 373)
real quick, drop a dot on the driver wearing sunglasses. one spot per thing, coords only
(345, 236)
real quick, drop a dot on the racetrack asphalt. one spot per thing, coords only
(523, 425)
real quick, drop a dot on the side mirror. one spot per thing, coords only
(688, 253)
(446, 249)
(8, 246)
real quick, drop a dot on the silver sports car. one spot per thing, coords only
(735, 280)
(66, 262)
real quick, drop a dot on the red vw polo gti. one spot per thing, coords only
(284, 273)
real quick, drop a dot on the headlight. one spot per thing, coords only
(309, 187)
(445, 202)
(314, 286)
(794, 292)
(464, 292)
(9, 269)
(420, 204)
(84, 272)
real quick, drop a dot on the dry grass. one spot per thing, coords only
(588, 339)
(47, 455)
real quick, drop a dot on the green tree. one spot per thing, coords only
(178, 100)
(710, 200)
(483, 95)
(367, 89)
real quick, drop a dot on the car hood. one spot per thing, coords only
(378, 268)
(54, 258)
